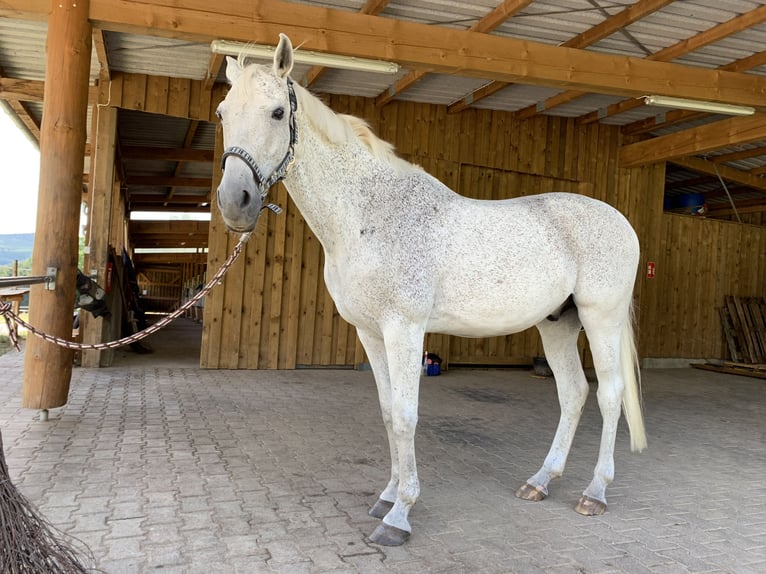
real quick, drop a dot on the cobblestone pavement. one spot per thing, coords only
(181, 470)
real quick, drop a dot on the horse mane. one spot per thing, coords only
(342, 128)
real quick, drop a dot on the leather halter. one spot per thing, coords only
(263, 183)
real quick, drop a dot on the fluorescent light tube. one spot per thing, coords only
(698, 106)
(230, 48)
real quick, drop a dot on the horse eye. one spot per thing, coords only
(218, 114)
(278, 114)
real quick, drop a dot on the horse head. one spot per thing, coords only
(258, 120)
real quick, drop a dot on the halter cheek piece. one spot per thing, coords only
(264, 184)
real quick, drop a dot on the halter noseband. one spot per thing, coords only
(264, 184)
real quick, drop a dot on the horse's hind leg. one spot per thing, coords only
(376, 353)
(560, 343)
(604, 338)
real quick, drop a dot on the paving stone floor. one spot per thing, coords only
(163, 467)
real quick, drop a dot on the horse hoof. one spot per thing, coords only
(387, 535)
(381, 508)
(588, 506)
(533, 493)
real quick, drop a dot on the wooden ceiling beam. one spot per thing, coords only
(695, 141)
(709, 36)
(728, 173)
(173, 226)
(168, 258)
(678, 116)
(155, 198)
(21, 90)
(31, 90)
(167, 154)
(371, 7)
(25, 9)
(589, 37)
(737, 155)
(488, 23)
(424, 47)
(166, 181)
(103, 59)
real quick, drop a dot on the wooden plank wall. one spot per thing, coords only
(700, 261)
(160, 288)
(273, 310)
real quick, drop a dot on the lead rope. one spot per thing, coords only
(12, 320)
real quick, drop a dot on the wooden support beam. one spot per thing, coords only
(372, 7)
(698, 140)
(737, 155)
(174, 226)
(149, 198)
(495, 18)
(426, 48)
(168, 258)
(47, 367)
(167, 154)
(25, 9)
(99, 44)
(727, 173)
(709, 36)
(22, 90)
(163, 181)
(589, 37)
(100, 201)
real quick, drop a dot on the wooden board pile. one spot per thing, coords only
(744, 325)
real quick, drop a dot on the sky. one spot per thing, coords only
(19, 178)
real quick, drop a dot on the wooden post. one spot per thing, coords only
(101, 197)
(47, 367)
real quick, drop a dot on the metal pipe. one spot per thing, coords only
(20, 281)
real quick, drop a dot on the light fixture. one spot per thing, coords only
(230, 48)
(698, 106)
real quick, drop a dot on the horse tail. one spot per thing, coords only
(631, 374)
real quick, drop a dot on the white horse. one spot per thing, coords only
(405, 255)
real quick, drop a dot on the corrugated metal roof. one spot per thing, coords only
(157, 56)
(22, 50)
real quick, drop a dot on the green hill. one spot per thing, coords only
(16, 246)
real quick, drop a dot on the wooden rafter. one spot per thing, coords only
(371, 7)
(213, 68)
(730, 174)
(165, 181)
(709, 36)
(420, 46)
(188, 139)
(167, 154)
(678, 116)
(488, 23)
(698, 140)
(582, 40)
(103, 59)
(737, 155)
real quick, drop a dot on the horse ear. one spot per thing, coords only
(232, 69)
(283, 57)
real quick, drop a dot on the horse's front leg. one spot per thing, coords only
(404, 345)
(376, 353)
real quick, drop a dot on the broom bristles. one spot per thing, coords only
(29, 544)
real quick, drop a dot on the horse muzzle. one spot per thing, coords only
(239, 201)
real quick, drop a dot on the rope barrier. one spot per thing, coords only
(13, 320)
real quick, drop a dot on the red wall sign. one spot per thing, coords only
(651, 269)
